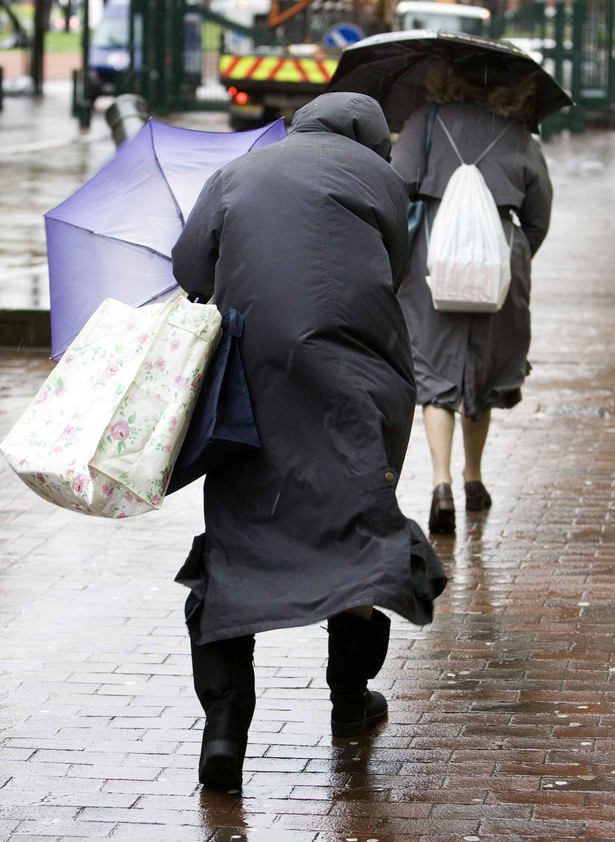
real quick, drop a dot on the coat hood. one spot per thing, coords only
(356, 116)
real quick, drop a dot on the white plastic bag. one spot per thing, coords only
(468, 257)
(103, 433)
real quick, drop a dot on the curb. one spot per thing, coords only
(25, 329)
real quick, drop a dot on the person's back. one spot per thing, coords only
(509, 167)
(314, 207)
(307, 239)
(471, 362)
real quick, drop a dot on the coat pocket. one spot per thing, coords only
(379, 510)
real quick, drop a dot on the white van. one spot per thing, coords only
(245, 12)
(452, 17)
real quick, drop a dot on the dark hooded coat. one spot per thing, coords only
(475, 359)
(307, 239)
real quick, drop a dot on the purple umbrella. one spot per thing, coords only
(113, 237)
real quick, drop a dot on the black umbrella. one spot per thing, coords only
(392, 68)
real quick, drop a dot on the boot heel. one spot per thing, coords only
(347, 729)
(220, 767)
(355, 729)
(373, 708)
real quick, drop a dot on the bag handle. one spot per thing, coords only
(196, 299)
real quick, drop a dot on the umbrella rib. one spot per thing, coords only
(57, 354)
(389, 67)
(270, 128)
(162, 173)
(113, 239)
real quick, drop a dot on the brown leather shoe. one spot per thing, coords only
(442, 514)
(477, 497)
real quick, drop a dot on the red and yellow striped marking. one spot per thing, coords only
(270, 68)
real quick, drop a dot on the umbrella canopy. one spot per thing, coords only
(113, 237)
(392, 68)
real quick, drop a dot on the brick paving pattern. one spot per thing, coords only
(501, 713)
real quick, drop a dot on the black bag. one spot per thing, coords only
(222, 425)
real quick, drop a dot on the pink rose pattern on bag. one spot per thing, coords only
(144, 374)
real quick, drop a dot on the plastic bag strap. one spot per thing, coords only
(483, 153)
(450, 138)
(480, 157)
(492, 144)
(232, 320)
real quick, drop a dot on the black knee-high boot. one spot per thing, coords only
(224, 683)
(357, 649)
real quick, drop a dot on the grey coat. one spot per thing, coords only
(307, 239)
(479, 360)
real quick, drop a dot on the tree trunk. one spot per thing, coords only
(68, 11)
(42, 9)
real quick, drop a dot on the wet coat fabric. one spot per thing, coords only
(475, 359)
(307, 239)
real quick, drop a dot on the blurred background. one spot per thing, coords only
(261, 59)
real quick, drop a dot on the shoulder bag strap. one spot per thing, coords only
(431, 117)
(481, 156)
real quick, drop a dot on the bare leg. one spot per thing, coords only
(439, 427)
(474, 438)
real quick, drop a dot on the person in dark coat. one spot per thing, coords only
(307, 239)
(471, 362)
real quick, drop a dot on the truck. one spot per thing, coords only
(275, 79)
(267, 81)
(452, 17)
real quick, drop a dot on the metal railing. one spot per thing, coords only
(574, 41)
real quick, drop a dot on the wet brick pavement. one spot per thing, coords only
(501, 713)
